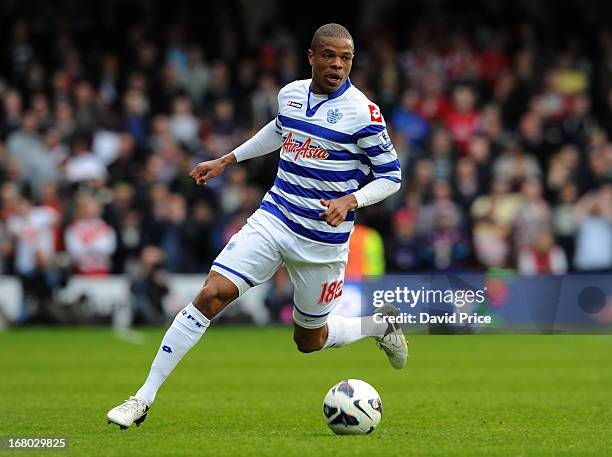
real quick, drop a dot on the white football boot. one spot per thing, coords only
(132, 411)
(393, 342)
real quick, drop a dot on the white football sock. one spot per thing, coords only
(186, 330)
(346, 330)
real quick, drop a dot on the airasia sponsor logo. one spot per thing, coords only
(305, 150)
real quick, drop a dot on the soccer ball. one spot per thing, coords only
(352, 407)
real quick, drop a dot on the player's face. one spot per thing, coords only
(331, 63)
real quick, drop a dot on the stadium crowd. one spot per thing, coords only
(505, 143)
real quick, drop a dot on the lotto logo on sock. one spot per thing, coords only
(167, 349)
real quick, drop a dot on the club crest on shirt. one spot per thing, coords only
(333, 116)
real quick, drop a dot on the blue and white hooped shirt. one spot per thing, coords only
(330, 145)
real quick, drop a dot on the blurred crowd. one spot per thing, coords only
(505, 142)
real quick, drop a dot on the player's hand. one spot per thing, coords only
(204, 171)
(337, 209)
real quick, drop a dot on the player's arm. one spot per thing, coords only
(385, 169)
(373, 192)
(267, 140)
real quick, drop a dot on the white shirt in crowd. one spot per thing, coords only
(85, 167)
(34, 233)
(91, 244)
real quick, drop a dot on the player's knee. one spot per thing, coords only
(307, 345)
(209, 301)
(217, 293)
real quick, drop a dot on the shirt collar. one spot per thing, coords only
(331, 96)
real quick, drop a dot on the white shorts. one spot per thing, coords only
(255, 253)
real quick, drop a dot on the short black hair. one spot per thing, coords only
(331, 30)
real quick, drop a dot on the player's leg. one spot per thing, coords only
(313, 332)
(332, 331)
(318, 289)
(251, 257)
(336, 331)
(186, 330)
(317, 273)
(309, 339)
(217, 293)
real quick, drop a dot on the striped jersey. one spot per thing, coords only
(330, 144)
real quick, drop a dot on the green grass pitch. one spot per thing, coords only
(247, 391)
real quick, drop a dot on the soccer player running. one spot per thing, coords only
(330, 137)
